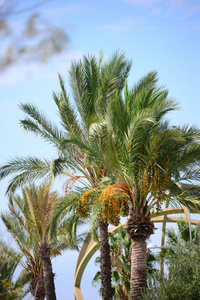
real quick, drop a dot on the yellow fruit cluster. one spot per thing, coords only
(113, 202)
(84, 204)
(159, 184)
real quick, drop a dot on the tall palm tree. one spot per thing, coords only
(93, 84)
(148, 158)
(131, 124)
(29, 222)
(95, 156)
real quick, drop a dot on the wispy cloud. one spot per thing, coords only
(182, 8)
(72, 8)
(145, 3)
(23, 72)
(121, 26)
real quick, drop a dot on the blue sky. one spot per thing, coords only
(162, 35)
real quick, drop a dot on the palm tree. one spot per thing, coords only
(106, 136)
(149, 159)
(32, 264)
(92, 84)
(10, 288)
(29, 222)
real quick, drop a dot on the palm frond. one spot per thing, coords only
(39, 125)
(66, 112)
(29, 168)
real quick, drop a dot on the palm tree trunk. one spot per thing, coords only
(138, 268)
(139, 227)
(106, 291)
(37, 288)
(44, 253)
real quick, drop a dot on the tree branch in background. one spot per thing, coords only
(34, 39)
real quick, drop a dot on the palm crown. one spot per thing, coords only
(92, 84)
(150, 160)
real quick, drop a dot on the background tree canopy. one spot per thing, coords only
(183, 280)
(26, 34)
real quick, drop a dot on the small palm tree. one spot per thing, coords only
(10, 288)
(29, 222)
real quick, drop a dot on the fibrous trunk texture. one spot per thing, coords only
(37, 288)
(44, 253)
(138, 268)
(106, 292)
(139, 227)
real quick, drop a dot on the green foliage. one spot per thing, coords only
(183, 281)
(183, 235)
(31, 218)
(10, 292)
(146, 153)
(11, 288)
(82, 137)
(180, 238)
